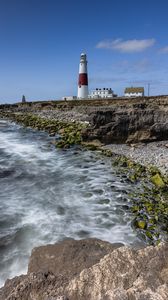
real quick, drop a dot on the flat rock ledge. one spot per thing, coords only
(92, 269)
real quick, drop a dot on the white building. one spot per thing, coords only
(102, 93)
(68, 98)
(134, 92)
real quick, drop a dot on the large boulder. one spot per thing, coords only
(92, 269)
(53, 266)
(69, 257)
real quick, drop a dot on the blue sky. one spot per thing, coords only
(126, 43)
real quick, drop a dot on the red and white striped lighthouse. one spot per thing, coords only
(83, 78)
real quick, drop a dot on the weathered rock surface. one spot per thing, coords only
(69, 257)
(92, 269)
(117, 120)
(130, 125)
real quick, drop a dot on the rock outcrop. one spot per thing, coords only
(92, 269)
(128, 125)
(117, 120)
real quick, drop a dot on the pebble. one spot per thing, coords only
(67, 116)
(155, 153)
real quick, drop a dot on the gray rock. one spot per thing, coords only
(128, 124)
(77, 271)
(69, 257)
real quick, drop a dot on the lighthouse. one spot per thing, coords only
(83, 78)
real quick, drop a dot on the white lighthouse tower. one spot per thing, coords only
(83, 78)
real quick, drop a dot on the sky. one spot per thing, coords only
(126, 43)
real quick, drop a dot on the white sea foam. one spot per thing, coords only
(51, 195)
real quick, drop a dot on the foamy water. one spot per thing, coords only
(47, 195)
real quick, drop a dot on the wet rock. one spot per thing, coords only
(93, 145)
(157, 180)
(141, 224)
(92, 269)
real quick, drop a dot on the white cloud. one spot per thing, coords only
(128, 46)
(164, 50)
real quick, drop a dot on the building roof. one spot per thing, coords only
(134, 90)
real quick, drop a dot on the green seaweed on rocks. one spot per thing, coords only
(149, 204)
(151, 207)
(142, 224)
(70, 132)
(93, 145)
(158, 181)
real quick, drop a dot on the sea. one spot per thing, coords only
(49, 194)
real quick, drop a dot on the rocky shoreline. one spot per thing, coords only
(136, 133)
(151, 154)
(147, 154)
(136, 128)
(148, 206)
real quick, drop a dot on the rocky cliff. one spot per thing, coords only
(118, 120)
(92, 269)
(130, 122)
